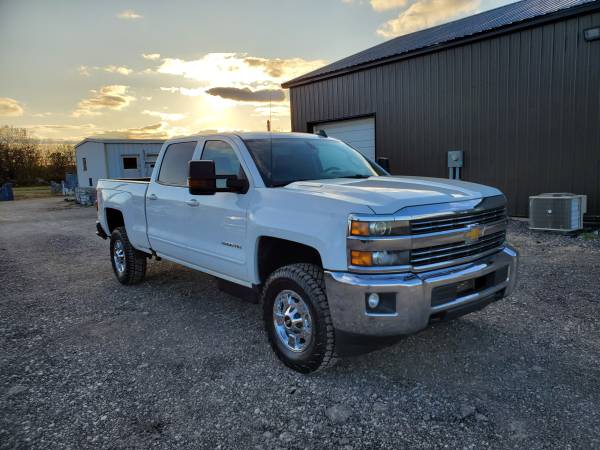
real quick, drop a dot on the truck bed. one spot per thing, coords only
(128, 196)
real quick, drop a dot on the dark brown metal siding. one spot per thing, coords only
(525, 108)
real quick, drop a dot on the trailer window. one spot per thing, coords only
(130, 162)
(175, 163)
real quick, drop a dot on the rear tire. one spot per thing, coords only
(128, 263)
(297, 318)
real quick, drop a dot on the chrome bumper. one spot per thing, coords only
(347, 294)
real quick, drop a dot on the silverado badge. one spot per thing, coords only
(475, 231)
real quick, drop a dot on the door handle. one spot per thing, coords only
(152, 197)
(192, 202)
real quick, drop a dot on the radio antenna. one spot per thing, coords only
(270, 118)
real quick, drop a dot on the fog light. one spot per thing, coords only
(373, 301)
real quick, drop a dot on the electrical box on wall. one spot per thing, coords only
(455, 163)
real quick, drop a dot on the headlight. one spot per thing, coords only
(378, 228)
(379, 258)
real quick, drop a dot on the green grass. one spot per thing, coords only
(29, 192)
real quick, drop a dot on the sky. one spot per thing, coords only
(158, 69)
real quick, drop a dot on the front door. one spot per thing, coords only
(223, 224)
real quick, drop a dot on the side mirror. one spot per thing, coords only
(202, 179)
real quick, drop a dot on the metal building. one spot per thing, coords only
(115, 158)
(517, 89)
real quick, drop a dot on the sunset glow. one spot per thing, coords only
(144, 69)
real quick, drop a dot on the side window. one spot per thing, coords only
(174, 166)
(84, 165)
(226, 161)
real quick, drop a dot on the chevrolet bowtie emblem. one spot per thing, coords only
(474, 233)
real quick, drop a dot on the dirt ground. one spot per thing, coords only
(174, 363)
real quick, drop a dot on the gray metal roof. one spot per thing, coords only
(486, 21)
(121, 141)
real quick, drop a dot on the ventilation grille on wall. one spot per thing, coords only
(559, 211)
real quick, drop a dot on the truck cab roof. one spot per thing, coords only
(248, 135)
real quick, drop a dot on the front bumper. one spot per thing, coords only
(409, 295)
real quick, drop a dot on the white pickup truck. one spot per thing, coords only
(341, 255)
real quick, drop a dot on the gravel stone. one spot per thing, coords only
(15, 390)
(286, 436)
(466, 411)
(72, 340)
(338, 413)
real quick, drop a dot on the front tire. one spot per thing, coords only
(297, 318)
(128, 263)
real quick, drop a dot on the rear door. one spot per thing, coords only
(172, 219)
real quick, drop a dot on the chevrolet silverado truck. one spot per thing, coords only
(341, 255)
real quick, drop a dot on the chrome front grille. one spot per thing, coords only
(435, 236)
(456, 251)
(456, 221)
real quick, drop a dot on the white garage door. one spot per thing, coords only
(359, 133)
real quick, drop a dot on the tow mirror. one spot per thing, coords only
(203, 181)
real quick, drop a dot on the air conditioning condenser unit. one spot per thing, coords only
(557, 211)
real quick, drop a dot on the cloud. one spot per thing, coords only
(54, 128)
(248, 95)
(427, 13)
(384, 5)
(167, 117)
(218, 69)
(154, 131)
(113, 97)
(151, 56)
(161, 130)
(10, 107)
(129, 14)
(188, 92)
(118, 69)
(86, 71)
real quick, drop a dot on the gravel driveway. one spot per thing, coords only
(174, 363)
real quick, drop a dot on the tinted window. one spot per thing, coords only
(226, 161)
(84, 164)
(174, 167)
(130, 162)
(283, 161)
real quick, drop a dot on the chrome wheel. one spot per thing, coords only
(119, 256)
(292, 320)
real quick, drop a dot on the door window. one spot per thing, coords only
(226, 161)
(175, 164)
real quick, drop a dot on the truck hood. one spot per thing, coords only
(388, 195)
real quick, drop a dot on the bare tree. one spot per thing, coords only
(24, 160)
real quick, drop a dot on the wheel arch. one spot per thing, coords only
(114, 219)
(273, 253)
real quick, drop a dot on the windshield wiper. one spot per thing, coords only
(357, 176)
(285, 183)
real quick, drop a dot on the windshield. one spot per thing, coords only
(283, 161)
